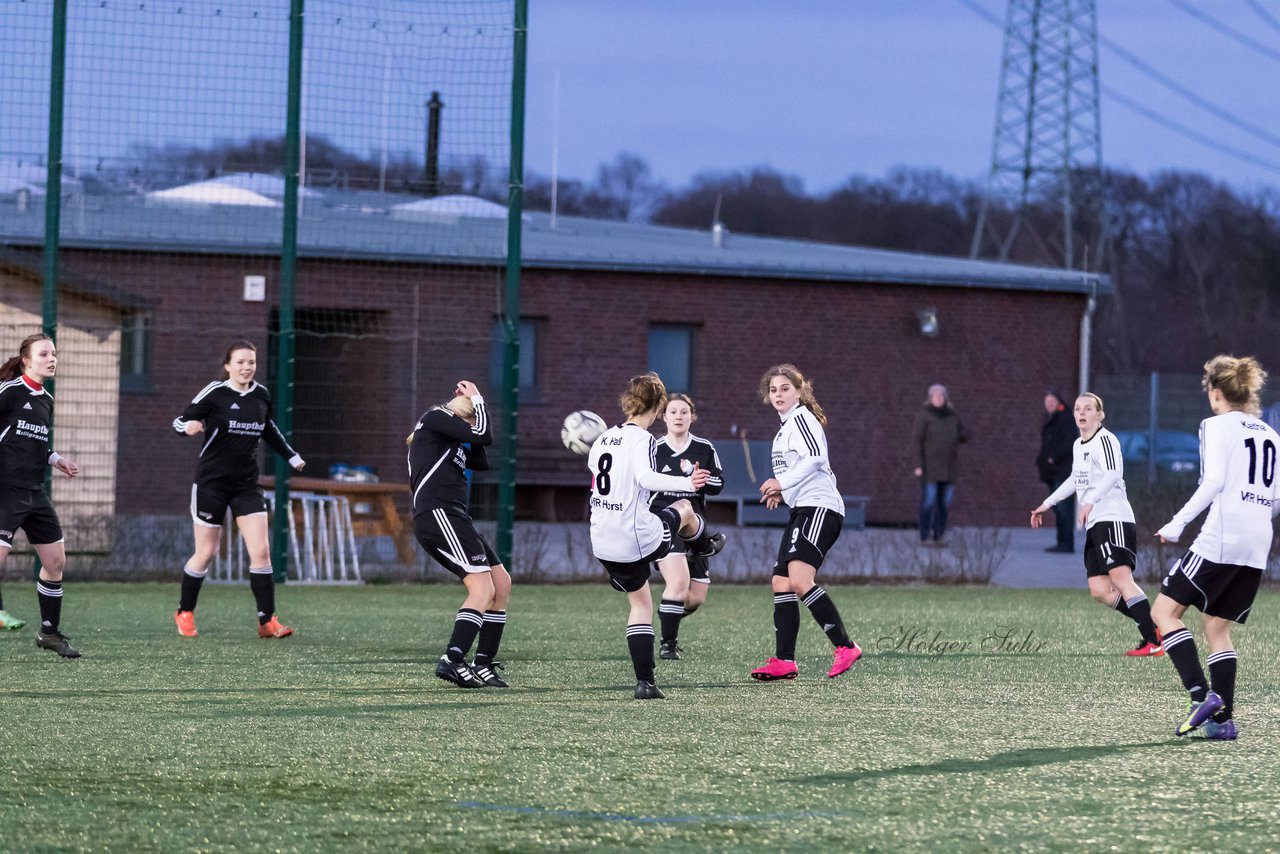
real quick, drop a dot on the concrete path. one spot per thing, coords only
(1029, 565)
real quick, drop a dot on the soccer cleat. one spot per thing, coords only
(272, 628)
(715, 545)
(458, 673)
(10, 623)
(648, 691)
(58, 642)
(774, 669)
(669, 650)
(186, 621)
(845, 656)
(1199, 713)
(1225, 731)
(1146, 649)
(488, 674)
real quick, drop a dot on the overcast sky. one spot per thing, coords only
(824, 89)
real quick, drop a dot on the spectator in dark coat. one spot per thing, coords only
(938, 434)
(1057, 437)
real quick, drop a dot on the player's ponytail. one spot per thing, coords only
(803, 385)
(1239, 379)
(235, 345)
(644, 393)
(13, 368)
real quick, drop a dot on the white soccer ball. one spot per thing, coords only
(580, 431)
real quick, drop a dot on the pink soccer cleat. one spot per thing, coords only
(774, 669)
(844, 658)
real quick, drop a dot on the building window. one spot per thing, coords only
(135, 349)
(671, 355)
(528, 357)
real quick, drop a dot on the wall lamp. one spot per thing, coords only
(928, 318)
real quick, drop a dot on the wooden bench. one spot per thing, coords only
(746, 466)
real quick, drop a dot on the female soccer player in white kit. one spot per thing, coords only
(802, 478)
(1111, 540)
(626, 536)
(1221, 571)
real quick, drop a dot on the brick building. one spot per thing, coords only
(394, 305)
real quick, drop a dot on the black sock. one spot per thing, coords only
(1140, 613)
(191, 582)
(700, 542)
(1222, 671)
(824, 611)
(1180, 646)
(493, 622)
(1120, 605)
(465, 628)
(264, 593)
(50, 595)
(640, 645)
(786, 625)
(669, 613)
(689, 609)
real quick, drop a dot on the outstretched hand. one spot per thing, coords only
(771, 493)
(1037, 516)
(67, 466)
(700, 476)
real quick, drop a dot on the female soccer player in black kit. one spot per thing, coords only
(233, 413)
(677, 453)
(446, 441)
(26, 416)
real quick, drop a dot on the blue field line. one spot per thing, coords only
(642, 819)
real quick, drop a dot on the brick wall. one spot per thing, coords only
(424, 327)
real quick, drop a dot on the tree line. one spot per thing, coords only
(1195, 263)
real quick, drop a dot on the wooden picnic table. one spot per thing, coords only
(384, 520)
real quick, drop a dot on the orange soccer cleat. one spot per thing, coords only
(273, 628)
(186, 621)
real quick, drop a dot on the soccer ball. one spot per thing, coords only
(580, 431)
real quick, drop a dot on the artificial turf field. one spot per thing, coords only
(342, 738)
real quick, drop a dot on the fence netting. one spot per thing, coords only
(172, 221)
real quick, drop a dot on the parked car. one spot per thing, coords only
(1175, 451)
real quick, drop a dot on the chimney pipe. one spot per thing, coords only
(433, 144)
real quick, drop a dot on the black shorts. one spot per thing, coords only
(209, 502)
(451, 538)
(699, 569)
(631, 576)
(1108, 545)
(30, 510)
(1223, 590)
(810, 534)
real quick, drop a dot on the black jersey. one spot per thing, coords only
(234, 421)
(26, 416)
(439, 457)
(680, 463)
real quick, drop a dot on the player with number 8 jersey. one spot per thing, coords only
(626, 535)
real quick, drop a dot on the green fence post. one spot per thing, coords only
(53, 199)
(511, 310)
(288, 266)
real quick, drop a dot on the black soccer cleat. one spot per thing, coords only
(58, 642)
(488, 674)
(648, 691)
(459, 674)
(669, 650)
(713, 546)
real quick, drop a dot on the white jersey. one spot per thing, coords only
(623, 528)
(1238, 484)
(1097, 478)
(800, 462)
